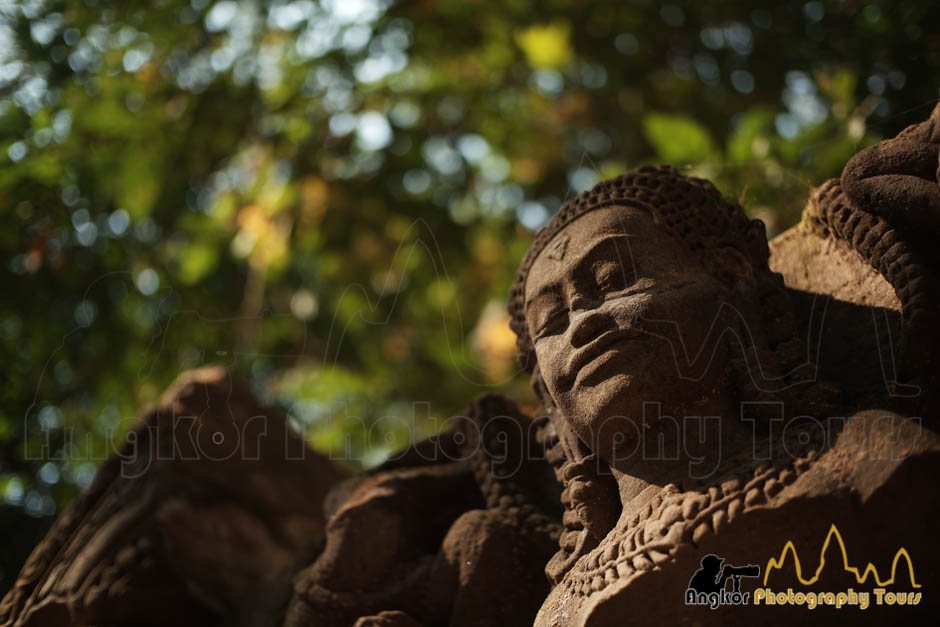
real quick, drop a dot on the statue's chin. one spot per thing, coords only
(610, 415)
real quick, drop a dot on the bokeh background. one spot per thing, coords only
(331, 197)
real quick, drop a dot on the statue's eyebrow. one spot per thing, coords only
(549, 289)
(601, 245)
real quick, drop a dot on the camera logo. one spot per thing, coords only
(708, 586)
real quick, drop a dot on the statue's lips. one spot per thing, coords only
(596, 371)
(589, 363)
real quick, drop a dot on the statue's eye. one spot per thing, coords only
(549, 315)
(609, 276)
(552, 322)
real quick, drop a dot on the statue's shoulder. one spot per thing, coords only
(870, 475)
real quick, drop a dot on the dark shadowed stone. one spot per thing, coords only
(204, 516)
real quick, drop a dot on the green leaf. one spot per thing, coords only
(199, 259)
(678, 139)
(745, 143)
(546, 45)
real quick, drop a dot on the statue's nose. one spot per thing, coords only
(588, 325)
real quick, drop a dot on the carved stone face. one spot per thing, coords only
(622, 314)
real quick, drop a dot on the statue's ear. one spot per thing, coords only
(730, 266)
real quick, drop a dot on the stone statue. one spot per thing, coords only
(203, 517)
(668, 354)
(709, 401)
(455, 531)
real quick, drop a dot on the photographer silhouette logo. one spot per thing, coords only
(708, 585)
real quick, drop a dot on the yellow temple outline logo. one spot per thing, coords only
(861, 577)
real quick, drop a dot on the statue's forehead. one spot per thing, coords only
(580, 236)
(613, 219)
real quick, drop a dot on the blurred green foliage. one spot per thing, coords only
(331, 197)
